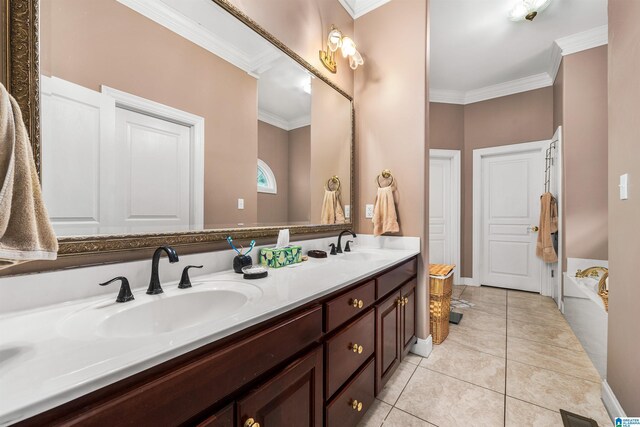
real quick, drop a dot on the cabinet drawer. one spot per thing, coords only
(342, 361)
(163, 401)
(340, 412)
(344, 307)
(223, 418)
(394, 278)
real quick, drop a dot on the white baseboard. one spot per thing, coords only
(423, 347)
(611, 402)
(468, 281)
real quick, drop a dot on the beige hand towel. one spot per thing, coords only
(548, 226)
(25, 231)
(332, 212)
(385, 219)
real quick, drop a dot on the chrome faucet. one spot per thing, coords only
(154, 283)
(339, 248)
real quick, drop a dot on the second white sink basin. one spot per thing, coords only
(149, 315)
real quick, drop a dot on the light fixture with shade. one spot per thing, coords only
(336, 41)
(527, 9)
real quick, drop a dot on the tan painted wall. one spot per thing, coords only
(584, 120)
(303, 25)
(447, 126)
(391, 118)
(273, 149)
(512, 119)
(623, 374)
(299, 175)
(118, 45)
(330, 145)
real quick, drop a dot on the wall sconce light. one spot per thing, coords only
(337, 41)
(527, 9)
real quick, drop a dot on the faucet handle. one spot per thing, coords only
(347, 248)
(185, 282)
(125, 290)
(333, 249)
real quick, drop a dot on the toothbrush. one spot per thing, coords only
(253, 243)
(230, 241)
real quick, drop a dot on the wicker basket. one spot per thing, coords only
(440, 288)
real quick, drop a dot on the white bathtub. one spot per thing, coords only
(585, 312)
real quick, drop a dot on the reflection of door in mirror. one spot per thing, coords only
(226, 84)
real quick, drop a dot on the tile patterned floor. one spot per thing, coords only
(512, 361)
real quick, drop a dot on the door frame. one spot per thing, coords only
(147, 107)
(456, 182)
(478, 154)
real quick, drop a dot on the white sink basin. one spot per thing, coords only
(360, 257)
(150, 315)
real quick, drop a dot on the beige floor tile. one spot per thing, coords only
(540, 315)
(530, 301)
(396, 384)
(558, 359)
(397, 418)
(486, 342)
(554, 334)
(555, 391)
(519, 414)
(486, 294)
(457, 290)
(446, 401)
(464, 363)
(413, 359)
(483, 321)
(376, 415)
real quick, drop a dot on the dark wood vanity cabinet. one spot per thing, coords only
(321, 364)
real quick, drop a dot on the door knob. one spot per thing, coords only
(534, 228)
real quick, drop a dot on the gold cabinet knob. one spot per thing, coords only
(356, 405)
(534, 228)
(399, 302)
(251, 423)
(356, 348)
(356, 303)
(405, 301)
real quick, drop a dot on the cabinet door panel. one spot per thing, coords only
(291, 398)
(408, 294)
(222, 418)
(388, 346)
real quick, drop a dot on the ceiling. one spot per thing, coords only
(282, 100)
(478, 53)
(357, 8)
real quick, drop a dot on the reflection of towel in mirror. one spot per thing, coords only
(385, 219)
(548, 226)
(332, 212)
(25, 231)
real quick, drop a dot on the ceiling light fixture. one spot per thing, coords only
(527, 9)
(337, 41)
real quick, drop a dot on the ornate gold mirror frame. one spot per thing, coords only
(21, 76)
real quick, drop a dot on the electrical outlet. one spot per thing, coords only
(347, 211)
(240, 203)
(368, 211)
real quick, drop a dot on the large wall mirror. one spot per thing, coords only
(183, 121)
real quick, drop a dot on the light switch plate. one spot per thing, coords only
(240, 203)
(347, 211)
(624, 186)
(368, 211)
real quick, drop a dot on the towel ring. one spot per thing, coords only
(385, 174)
(333, 180)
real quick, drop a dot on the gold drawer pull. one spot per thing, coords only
(405, 301)
(251, 423)
(399, 302)
(356, 405)
(356, 303)
(356, 348)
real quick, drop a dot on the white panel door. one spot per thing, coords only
(153, 184)
(71, 144)
(510, 199)
(440, 245)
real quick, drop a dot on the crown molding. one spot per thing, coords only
(281, 122)
(447, 96)
(357, 8)
(174, 21)
(589, 39)
(555, 58)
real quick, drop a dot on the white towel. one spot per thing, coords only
(25, 231)
(332, 212)
(385, 218)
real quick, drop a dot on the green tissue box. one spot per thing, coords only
(276, 258)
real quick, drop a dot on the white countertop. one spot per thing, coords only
(42, 365)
